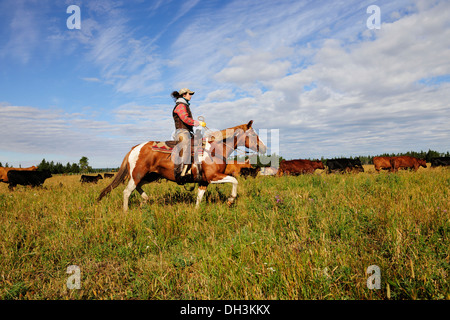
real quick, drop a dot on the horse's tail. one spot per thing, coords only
(121, 175)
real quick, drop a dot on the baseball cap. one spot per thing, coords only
(185, 90)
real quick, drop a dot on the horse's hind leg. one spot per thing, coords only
(148, 178)
(142, 193)
(126, 194)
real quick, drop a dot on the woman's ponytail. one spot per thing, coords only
(175, 95)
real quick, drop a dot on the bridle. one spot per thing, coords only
(251, 132)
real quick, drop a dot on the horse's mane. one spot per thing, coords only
(225, 133)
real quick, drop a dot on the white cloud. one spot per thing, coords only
(29, 130)
(184, 8)
(93, 79)
(365, 94)
(220, 95)
(251, 68)
(310, 69)
(24, 25)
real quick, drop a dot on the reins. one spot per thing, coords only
(227, 145)
(208, 130)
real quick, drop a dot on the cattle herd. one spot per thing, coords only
(33, 177)
(393, 164)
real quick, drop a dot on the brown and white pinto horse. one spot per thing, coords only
(144, 165)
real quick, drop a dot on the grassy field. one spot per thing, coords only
(305, 237)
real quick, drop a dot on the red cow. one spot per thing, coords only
(407, 162)
(299, 166)
(382, 163)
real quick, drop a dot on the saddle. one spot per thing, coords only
(168, 146)
(164, 146)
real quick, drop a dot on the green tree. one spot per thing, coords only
(75, 168)
(84, 164)
(432, 154)
(44, 165)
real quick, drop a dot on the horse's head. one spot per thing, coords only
(224, 142)
(248, 138)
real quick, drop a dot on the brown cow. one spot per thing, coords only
(4, 172)
(299, 166)
(249, 172)
(382, 163)
(234, 169)
(407, 162)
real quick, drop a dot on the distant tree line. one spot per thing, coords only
(81, 167)
(58, 168)
(70, 168)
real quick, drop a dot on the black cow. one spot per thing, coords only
(108, 175)
(252, 172)
(344, 165)
(90, 179)
(440, 161)
(27, 178)
(356, 165)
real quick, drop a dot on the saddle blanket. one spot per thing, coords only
(164, 146)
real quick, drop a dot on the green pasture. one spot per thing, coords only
(305, 237)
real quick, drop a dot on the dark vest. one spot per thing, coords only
(179, 124)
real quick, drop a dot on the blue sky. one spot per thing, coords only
(310, 69)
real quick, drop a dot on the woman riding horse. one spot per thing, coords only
(184, 124)
(143, 165)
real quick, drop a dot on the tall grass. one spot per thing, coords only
(306, 237)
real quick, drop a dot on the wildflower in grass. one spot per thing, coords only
(277, 198)
(269, 268)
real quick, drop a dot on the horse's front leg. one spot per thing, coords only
(201, 192)
(223, 178)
